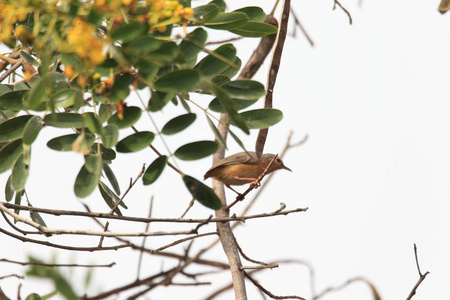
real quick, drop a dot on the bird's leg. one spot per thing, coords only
(239, 197)
(228, 186)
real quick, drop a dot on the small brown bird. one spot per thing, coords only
(242, 168)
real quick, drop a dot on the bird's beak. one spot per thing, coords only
(286, 168)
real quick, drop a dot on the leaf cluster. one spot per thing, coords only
(82, 60)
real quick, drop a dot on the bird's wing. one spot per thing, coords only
(241, 158)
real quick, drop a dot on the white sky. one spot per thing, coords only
(374, 99)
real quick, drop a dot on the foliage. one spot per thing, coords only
(82, 60)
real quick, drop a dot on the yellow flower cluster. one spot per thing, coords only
(9, 15)
(164, 12)
(85, 42)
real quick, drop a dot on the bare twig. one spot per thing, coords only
(48, 244)
(183, 240)
(132, 183)
(343, 8)
(375, 293)
(11, 69)
(141, 253)
(421, 276)
(273, 72)
(54, 265)
(265, 266)
(302, 28)
(11, 275)
(46, 230)
(267, 292)
(188, 208)
(90, 214)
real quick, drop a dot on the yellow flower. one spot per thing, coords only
(85, 42)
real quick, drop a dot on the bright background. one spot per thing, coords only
(373, 98)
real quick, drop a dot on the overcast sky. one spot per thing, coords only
(373, 97)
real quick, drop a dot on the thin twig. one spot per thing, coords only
(188, 208)
(241, 218)
(11, 275)
(54, 265)
(132, 183)
(11, 69)
(267, 292)
(375, 293)
(147, 226)
(183, 240)
(265, 266)
(302, 28)
(343, 8)
(58, 246)
(421, 276)
(273, 72)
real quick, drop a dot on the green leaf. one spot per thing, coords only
(203, 193)
(9, 155)
(71, 59)
(196, 150)
(13, 128)
(237, 140)
(215, 105)
(66, 98)
(64, 143)
(192, 44)
(255, 29)
(121, 87)
(18, 201)
(109, 197)
(228, 21)
(128, 32)
(159, 99)
(154, 170)
(217, 61)
(220, 3)
(178, 80)
(135, 142)
(110, 135)
(85, 182)
(36, 217)
(32, 129)
(229, 106)
(147, 71)
(216, 132)
(144, 45)
(233, 70)
(64, 120)
(261, 118)
(131, 115)
(9, 191)
(112, 178)
(93, 163)
(12, 100)
(165, 54)
(244, 89)
(92, 123)
(19, 174)
(254, 13)
(205, 13)
(178, 124)
(45, 87)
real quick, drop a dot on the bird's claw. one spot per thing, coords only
(255, 184)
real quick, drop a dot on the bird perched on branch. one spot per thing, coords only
(242, 168)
